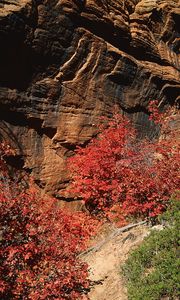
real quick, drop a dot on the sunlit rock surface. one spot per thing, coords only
(64, 63)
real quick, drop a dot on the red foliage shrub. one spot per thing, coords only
(39, 244)
(116, 171)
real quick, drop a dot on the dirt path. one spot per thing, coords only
(105, 260)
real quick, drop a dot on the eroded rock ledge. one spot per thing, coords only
(64, 63)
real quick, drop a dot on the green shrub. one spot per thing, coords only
(152, 270)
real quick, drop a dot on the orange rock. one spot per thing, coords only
(63, 64)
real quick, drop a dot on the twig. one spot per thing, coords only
(111, 236)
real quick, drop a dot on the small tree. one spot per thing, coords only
(39, 245)
(116, 171)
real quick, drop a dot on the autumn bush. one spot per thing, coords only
(39, 245)
(116, 173)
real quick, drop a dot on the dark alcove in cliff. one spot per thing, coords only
(16, 63)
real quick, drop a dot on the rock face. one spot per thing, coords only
(64, 63)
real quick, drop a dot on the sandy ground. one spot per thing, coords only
(105, 260)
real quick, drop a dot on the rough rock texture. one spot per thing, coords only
(63, 63)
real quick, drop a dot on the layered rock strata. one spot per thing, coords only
(64, 63)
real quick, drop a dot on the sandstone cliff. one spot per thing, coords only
(64, 63)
